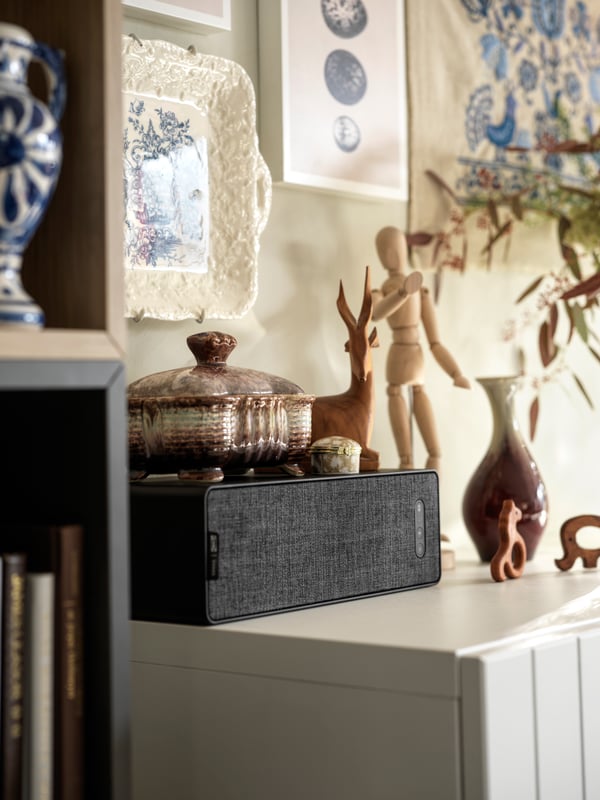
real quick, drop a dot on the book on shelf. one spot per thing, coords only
(67, 543)
(12, 640)
(38, 734)
(53, 704)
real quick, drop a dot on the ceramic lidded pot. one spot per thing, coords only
(201, 421)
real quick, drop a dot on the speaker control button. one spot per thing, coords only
(419, 529)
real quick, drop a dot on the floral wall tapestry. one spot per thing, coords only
(490, 82)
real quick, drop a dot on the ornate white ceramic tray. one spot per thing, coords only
(197, 190)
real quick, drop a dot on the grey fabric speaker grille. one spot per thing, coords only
(283, 545)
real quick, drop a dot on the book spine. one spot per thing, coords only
(12, 689)
(69, 708)
(39, 687)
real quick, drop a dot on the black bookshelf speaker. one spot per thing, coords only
(249, 546)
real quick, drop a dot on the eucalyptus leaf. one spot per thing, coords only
(583, 391)
(442, 183)
(579, 320)
(563, 226)
(418, 238)
(492, 210)
(517, 207)
(547, 347)
(531, 288)
(502, 230)
(534, 412)
(571, 321)
(553, 319)
(593, 352)
(571, 259)
(590, 286)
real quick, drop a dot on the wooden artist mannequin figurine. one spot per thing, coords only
(405, 304)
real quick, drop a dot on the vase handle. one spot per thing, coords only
(52, 62)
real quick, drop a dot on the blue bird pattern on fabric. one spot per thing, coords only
(539, 83)
(479, 119)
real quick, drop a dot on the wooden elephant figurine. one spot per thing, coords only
(572, 551)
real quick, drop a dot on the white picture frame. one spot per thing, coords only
(333, 101)
(204, 15)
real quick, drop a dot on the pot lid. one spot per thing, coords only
(211, 375)
(339, 445)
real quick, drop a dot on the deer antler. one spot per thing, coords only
(344, 309)
(366, 310)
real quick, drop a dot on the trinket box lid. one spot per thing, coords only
(340, 445)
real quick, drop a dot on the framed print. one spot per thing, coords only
(333, 106)
(205, 14)
(197, 191)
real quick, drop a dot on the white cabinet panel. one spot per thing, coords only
(589, 673)
(233, 736)
(470, 691)
(557, 720)
(498, 737)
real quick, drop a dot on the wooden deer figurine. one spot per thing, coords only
(351, 414)
(511, 555)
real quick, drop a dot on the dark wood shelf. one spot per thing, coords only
(62, 389)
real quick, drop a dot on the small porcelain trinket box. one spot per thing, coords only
(335, 454)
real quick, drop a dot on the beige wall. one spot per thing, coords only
(310, 242)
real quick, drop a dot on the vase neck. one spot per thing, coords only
(15, 53)
(501, 393)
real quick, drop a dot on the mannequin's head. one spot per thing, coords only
(390, 243)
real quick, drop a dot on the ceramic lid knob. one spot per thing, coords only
(211, 347)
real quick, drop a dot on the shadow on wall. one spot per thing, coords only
(300, 326)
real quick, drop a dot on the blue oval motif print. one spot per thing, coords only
(345, 77)
(346, 133)
(345, 18)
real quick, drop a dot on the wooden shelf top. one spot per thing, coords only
(58, 344)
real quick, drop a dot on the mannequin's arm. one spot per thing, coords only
(388, 304)
(391, 302)
(441, 355)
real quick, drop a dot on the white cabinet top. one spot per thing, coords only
(408, 641)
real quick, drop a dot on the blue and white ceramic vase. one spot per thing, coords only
(30, 159)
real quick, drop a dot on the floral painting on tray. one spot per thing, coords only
(166, 188)
(496, 85)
